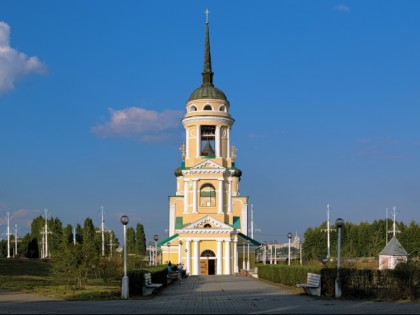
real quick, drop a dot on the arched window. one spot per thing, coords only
(207, 107)
(222, 108)
(193, 109)
(208, 253)
(207, 225)
(207, 196)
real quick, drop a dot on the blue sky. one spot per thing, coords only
(325, 93)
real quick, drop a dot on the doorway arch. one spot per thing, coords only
(207, 263)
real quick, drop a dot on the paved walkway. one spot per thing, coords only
(208, 295)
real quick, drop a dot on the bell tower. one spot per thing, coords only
(208, 218)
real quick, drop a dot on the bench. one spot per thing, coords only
(312, 285)
(173, 276)
(149, 287)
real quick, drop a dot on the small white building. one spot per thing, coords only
(392, 254)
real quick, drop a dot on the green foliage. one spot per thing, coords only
(285, 274)
(73, 264)
(359, 240)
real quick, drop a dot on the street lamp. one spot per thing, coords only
(124, 290)
(275, 252)
(289, 236)
(248, 264)
(271, 253)
(169, 251)
(265, 252)
(339, 223)
(156, 238)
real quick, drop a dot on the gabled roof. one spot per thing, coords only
(393, 248)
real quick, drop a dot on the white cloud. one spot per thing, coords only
(14, 64)
(342, 8)
(141, 124)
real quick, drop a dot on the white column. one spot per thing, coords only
(219, 254)
(235, 256)
(227, 257)
(187, 151)
(185, 196)
(198, 139)
(220, 201)
(172, 219)
(188, 258)
(229, 210)
(244, 219)
(196, 258)
(228, 143)
(243, 257)
(194, 196)
(179, 254)
(217, 141)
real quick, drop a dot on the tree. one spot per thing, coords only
(140, 240)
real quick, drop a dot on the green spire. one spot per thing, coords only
(207, 72)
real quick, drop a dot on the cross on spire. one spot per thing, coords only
(207, 15)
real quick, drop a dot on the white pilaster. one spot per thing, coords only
(229, 210)
(196, 258)
(188, 258)
(217, 141)
(172, 219)
(227, 257)
(187, 151)
(244, 219)
(219, 269)
(235, 256)
(198, 139)
(179, 254)
(185, 196)
(194, 196)
(220, 201)
(228, 143)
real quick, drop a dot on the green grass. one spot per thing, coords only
(34, 276)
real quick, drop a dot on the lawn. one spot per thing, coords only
(34, 276)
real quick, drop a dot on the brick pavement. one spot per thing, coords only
(208, 295)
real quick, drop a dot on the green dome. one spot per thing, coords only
(237, 173)
(178, 172)
(207, 91)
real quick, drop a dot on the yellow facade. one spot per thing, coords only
(208, 218)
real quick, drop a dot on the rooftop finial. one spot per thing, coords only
(207, 15)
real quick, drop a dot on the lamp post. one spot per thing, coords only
(300, 251)
(271, 252)
(169, 251)
(124, 290)
(156, 238)
(275, 252)
(289, 236)
(248, 265)
(150, 253)
(339, 223)
(265, 252)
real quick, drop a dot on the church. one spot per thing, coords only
(208, 218)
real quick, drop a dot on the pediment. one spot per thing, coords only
(200, 224)
(206, 167)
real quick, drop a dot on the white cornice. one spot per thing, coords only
(214, 119)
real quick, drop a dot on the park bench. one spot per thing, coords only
(173, 276)
(149, 287)
(312, 285)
